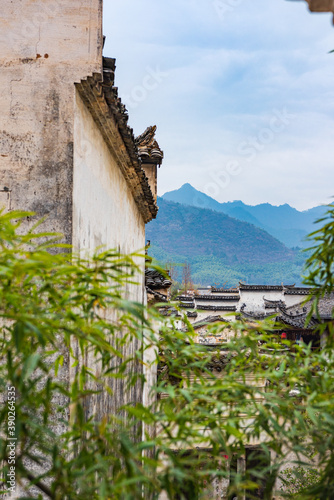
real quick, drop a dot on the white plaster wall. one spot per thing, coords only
(254, 299)
(104, 211)
(292, 300)
(69, 32)
(106, 215)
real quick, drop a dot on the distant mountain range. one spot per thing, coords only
(285, 223)
(220, 249)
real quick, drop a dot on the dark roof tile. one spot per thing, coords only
(111, 116)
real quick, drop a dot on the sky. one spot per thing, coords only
(241, 92)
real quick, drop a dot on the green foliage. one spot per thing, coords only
(299, 479)
(221, 249)
(192, 231)
(209, 270)
(52, 305)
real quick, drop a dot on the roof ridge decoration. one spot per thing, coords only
(154, 279)
(299, 305)
(284, 312)
(111, 116)
(148, 147)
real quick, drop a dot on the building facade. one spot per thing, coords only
(66, 150)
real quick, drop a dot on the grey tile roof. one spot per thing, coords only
(148, 148)
(298, 291)
(185, 298)
(171, 311)
(224, 290)
(217, 297)
(215, 308)
(205, 321)
(297, 321)
(157, 295)
(325, 307)
(154, 279)
(243, 286)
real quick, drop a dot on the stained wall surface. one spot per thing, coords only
(105, 214)
(104, 210)
(44, 48)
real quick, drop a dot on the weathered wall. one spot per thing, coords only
(104, 210)
(151, 171)
(105, 213)
(292, 300)
(254, 298)
(44, 48)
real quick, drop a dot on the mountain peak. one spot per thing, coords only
(188, 195)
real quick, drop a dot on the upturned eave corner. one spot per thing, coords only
(148, 148)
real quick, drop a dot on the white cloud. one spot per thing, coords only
(223, 80)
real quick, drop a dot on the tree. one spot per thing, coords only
(186, 277)
(207, 399)
(173, 272)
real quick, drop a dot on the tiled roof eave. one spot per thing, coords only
(216, 308)
(258, 288)
(298, 291)
(321, 5)
(103, 104)
(299, 323)
(157, 295)
(154, 279)
(217, 297)
(148, 149)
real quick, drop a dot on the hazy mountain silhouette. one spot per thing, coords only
(284, 222)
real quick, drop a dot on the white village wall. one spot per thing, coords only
(254, 299)
(104, 210)
(292, 300)
(105, 214)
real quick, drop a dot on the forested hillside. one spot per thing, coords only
(285, 223)
(220, 248)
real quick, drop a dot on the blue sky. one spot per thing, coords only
(241, 91)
